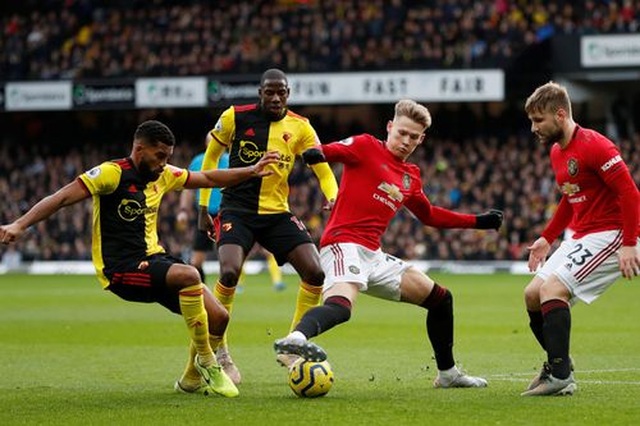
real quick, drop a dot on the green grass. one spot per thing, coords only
(73, 354)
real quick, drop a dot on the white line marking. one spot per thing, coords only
(593, 382)
(533, 372)
(515, 377)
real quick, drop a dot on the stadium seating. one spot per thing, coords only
(83, 39)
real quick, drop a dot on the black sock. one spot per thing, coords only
(439, 304)
(536, 323)
(557, 330)
(334, 311)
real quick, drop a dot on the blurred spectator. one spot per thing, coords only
(82, 38)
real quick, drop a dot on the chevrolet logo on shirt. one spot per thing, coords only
(568, 188)
(392, 191)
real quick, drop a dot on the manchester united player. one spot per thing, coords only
(377, 181)
(600, 200)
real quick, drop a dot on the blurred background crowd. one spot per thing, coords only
(476, 156)
(118, 38)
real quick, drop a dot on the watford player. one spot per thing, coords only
(258, 210)
(127, 256)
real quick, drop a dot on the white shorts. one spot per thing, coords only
(587, 266)
(374, 272)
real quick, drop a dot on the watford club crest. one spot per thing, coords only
(572, 167)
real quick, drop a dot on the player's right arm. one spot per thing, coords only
(540, 248)
(70, 194)
(559, 221)
(102, 179)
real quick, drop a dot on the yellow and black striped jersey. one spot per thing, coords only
(125, 211)
(248, 134)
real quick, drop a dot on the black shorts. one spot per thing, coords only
(201, 241)
(278, 233)
(145, 280)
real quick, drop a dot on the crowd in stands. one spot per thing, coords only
(506, 170)
(123, 38)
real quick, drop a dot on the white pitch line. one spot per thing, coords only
(533, 372)
(593, 382)
(514, 377)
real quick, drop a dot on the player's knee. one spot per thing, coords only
(439, 298)
(200, 272)
(340, 307)
(314, 278)
(186, 276)
(532, 295)
(229, 278)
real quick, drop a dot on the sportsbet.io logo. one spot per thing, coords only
(129, 210)
(249, 152)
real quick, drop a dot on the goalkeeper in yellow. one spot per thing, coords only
(257, 210)
(127, 256)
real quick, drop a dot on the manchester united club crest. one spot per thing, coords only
(226, 227)
(406, 181)
(572, 167)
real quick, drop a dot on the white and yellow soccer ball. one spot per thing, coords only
(310, 379)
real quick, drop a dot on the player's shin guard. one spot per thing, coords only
(193, 311)
(557, 330)
(308, 297)
(439, 304)
(225, 295)
(336, 310)
(536, 323)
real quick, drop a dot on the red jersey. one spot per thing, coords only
(598, 192)
(374, 185)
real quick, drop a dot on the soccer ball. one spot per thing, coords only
(310, 379)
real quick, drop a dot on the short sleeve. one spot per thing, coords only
(175, 177)
(225, 127)
(102, 179)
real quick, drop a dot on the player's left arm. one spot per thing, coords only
(315, 159)
(439, 217)
(615, 174)
(328, 182)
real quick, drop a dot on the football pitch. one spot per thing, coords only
(71, 353)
